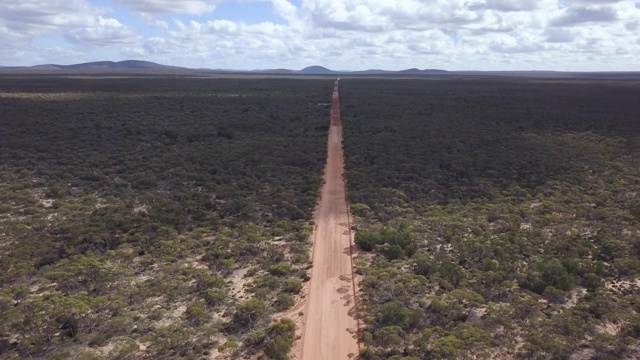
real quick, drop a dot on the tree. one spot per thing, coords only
(292, 285)
(454, 273)
(446, 348)
(424, 265)
(196, 312)
(394, 313)
(281, 337)
(280, 269)
(283, 302)
(214, 297)
(390, 336)
(592, 282)
(365, 240)
(248, 313)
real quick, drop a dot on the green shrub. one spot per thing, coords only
(196, 313)
(394, 313)
(280, 269)
(98, 340)
(281, 337)
(248, 313)
(292, 285)
(284, 302)
(215, 297)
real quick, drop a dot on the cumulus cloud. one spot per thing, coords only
(156, 45)
(170, 6)
(286, 10)
(506, 5)
(518, 48)
(32, 18)
(593, 2)
(343, 34)
(631, 25)
(151, 21)
(380, 15)
(81, 24)
(575, 16)
(102, 32)
(558, 35)
(408, 33)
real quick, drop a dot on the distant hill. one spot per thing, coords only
(424, 72)
(46, 67)
(102, 65)
(127, 64)
(316, 70)
(11, 67)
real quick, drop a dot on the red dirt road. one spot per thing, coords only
(330, 329)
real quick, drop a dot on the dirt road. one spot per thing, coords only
(330, 330)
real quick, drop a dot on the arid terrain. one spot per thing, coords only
(162, 217)
(156, 217)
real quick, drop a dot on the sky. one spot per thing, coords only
(562, 35)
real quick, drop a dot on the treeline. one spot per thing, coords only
(503, 214)
(134, 210)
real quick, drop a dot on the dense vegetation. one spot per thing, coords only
(503, 215)
(134, 209)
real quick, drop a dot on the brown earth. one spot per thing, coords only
(329, 330)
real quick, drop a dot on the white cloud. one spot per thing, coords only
(575, 16)
(102, 32)
(155, 45)
(170, 6)
(593, 2)
(343, 34)
(506, 5)
(33, 18)
(153, 22)
(286, 10)
(559, 35)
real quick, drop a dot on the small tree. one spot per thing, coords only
(247, 313)
(282, 335)
(395, 313)
(280, 269)
(214, 297)
(283, 302)
(196, 313)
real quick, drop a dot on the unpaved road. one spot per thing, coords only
(330, 328)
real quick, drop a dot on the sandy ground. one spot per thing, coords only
(330, 328)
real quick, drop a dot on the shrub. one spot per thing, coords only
(98, 340)
(592, 282)
(215, 297)
(283, 302)
(394, 313)
(280, 269)
(424, 265)
(278, 348)
(248, 313)
(282, 336)
(196, 313)
(255, 338)
(292, 285)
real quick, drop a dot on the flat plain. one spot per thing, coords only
(499, 218)
(155, 216)
(167, 216)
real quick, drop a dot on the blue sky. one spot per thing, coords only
(583, 35)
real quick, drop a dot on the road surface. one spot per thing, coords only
(330, 328)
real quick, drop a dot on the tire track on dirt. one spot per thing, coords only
(330, 329)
